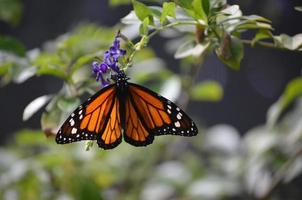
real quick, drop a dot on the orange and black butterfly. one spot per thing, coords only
(128, 110)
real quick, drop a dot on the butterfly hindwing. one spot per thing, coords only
(136, 132)
(88, 120)
(112, 133)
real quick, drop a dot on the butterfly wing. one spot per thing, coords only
(89, 121)
(135, 132)
(149, 114)
(112, 134)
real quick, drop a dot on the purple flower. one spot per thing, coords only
(110, 62)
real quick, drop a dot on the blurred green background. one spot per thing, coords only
(250, 121)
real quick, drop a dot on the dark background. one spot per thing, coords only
(248, 92)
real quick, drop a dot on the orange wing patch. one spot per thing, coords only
(94, 122)
(112, 134)
(147, 97)
(100, 100)
(135, 131)
(152, 108)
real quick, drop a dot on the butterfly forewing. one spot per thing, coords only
(88, 120)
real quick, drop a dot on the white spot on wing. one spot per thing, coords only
(178, 116)
(177, 124)
(74, 130)
(169, 111)
(71, 121)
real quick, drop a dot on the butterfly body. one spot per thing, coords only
(128, 110)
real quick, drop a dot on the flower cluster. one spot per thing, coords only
(110, 62)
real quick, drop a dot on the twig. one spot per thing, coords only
(266, 45)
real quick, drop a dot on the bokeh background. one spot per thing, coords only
(248, 94)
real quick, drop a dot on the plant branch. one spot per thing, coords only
(171, 25)
(265, 44)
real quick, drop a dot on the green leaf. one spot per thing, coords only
(141, 10)
(253, 25)
(12, 45)
(119, 2)
(194, 9)
(50, 64)
(292, 91)
(25, 137)
(260, 35)
(185, 3)
(34, 106)
(207, 91)
(206, 6)
(168, 10)
(15, 68)
(10, 11)
(4, 67)
(190, 48)
(199, 10)
(298, 8)
(68, 104)
(143, 29)
(231, 52)
(256, 18)
(288, 42)
(81, 61)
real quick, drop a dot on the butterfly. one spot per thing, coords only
(138, 111)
